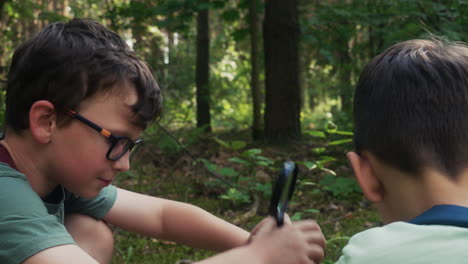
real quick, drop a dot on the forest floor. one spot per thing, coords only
(326, 190)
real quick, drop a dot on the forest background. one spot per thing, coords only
(247, 84)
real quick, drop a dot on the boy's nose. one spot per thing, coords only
(123, 164)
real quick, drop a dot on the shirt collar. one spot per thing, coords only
(446, 214)
(5, 157)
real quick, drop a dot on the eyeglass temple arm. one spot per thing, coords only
(89, 123)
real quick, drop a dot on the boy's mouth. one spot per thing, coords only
(105, 182)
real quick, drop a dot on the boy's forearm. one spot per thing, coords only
(175, 221)
(191, 225)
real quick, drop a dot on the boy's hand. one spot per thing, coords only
(298, 243)
(259, 226)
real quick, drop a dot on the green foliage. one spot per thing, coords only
(171, 141)
(248, 160)
(222, 171)
(129, 248)
(340, 187)
(332, 135)
(299, 215)
(234, 145)
(337, 39)
(236, 196)
(243, 183)
(52, 16)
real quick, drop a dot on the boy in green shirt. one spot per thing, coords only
(77, 100)
(411, 154)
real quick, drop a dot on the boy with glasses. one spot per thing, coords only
(77, 100)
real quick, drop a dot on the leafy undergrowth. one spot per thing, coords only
(232, 179)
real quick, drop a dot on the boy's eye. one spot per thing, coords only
(121, 146)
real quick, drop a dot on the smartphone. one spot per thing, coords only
(283, 191)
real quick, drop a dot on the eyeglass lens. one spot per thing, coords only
(121, 146)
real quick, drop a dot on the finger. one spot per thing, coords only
(267, 225)
(316, 238)
(264, 223)
(307, 225)
(312, 232)
(287, 219)
(263, 227)
(316, 253)
(258, 226)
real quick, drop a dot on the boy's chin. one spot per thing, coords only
(87, 194)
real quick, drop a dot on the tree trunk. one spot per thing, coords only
(283, 94)
(257, 129)
(2, 48)
(202, 71)
(344, 78)
(2, 3)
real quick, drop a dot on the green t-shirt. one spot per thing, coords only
(29, 225)
(402, 242)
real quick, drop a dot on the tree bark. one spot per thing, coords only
(257, 129)
(2, 49)
(202, 71)
(283, 94)
(2, 3)
(344, 77)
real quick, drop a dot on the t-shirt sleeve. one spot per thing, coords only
(26, 227)
(97, 207)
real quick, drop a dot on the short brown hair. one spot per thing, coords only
(411, 106)
(66, 63)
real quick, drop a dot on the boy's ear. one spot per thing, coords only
(42, 121)
(366, 176)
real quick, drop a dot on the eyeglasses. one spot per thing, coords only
(119, 144)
